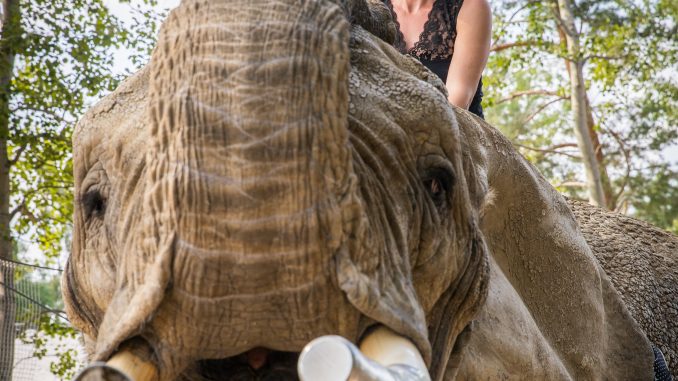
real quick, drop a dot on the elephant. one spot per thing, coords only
(642, 263)
(639, 260)
(279, 172)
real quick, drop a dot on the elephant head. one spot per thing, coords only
(276, 173)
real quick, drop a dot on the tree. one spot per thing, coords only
(603, 68)
(55, 58)
(578, 98)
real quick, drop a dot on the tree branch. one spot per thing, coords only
(27, 108)
(529, 92)
(603, 57)
(541, 108)
(559, 20)
(18, 154)
(28, 195)
(627, 159)
(572, 184)
(553, 149)
(508, 45)
(501, 31)
(563, 145)
(17, 209)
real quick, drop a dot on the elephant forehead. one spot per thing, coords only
(115, 131)
(395, 91)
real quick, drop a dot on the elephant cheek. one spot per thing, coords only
(88, 281)
(459, 304)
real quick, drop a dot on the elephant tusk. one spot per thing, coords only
(385, 356)
(389, 349)
(136, 368)
(129, 364)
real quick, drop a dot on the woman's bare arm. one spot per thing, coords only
(471, 48)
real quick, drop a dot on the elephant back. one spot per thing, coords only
(642, 263)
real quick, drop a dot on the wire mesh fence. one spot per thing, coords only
(32, 344)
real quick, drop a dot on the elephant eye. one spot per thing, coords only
(93, 204)
(438, 184)
(435, 189)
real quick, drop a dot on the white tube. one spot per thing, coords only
(333, 358)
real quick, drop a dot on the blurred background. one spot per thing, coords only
(58, 57)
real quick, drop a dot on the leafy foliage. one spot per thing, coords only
(63, 62)
(656, 197)
(60, 52)
(630, 50)
(53, 338)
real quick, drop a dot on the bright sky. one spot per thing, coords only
(122, 11)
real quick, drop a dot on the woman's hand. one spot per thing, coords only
(471, 48)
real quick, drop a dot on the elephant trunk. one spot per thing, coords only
(250, 183)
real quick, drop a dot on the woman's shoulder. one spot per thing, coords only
(474, 8)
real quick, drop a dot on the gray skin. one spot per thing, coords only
(277, 173)
(642, 262)
(551, 312)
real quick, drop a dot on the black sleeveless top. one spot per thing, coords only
(435, 46)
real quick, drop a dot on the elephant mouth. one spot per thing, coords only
(254, 365)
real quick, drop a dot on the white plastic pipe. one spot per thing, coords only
(385, 356)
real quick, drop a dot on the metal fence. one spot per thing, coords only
(24, 353)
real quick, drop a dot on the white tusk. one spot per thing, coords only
(385, 356)
(390, 349)
(129, 364)
(136, 368)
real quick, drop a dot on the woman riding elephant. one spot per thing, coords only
(434, 30)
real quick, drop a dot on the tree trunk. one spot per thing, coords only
(10, 34)
(597, 147)
(610, 199)
(580, 105)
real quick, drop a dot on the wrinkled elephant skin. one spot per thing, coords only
(279, 172)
